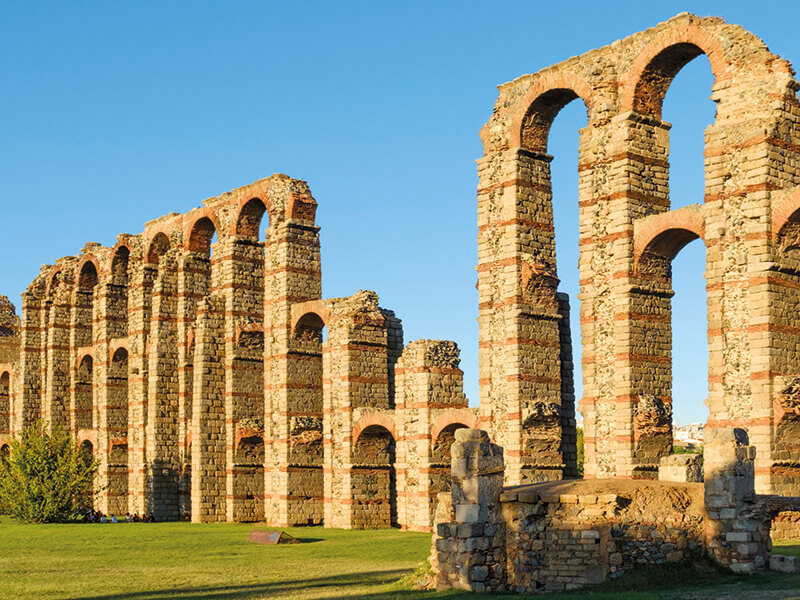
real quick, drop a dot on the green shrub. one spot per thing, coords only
(46, 478)
(580, 451)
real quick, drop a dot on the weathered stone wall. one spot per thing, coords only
(198, 371)
(562, 535)
(628, 237)
(786, 526)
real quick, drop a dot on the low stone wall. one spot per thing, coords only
(568, 534)
(562, 535)
(786, 526)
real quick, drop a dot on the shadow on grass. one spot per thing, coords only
(701, 580)
(243, 592)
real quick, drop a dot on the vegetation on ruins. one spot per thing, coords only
(46, 477)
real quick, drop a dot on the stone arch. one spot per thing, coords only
(158, 245)
(452, 416)
(56, 278)
(200, 233)
(374, 479)
(86, 446)
(537, 109)
(249, 217)
(120, 261)
(84, 392)
(309, 328)
(5, 403)
(375, 419)
(664, 235)
(118, 344)
(786, 222)
(250, 450)
(88, 272)
(441, 443)
(301, 310)
(645, 85)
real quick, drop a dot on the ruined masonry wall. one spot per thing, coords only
(628, 236)
(199, 373)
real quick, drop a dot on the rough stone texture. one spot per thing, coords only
(681, 467)
(785, 526)
(560, 535)
(749, 222)
(200, 375)
(784, 564)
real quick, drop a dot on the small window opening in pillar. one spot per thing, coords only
(84, 394)
(554, 139)
(374, 478)
(5, 403)
(5, 453)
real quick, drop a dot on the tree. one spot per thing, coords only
(46, 478)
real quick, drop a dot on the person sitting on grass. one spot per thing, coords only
(128, 518)
(103, 518)
(136, 518)
(114, 519)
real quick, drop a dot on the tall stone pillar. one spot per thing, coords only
(163, 460)
(520, 373)
(209, 440)
(33, 336)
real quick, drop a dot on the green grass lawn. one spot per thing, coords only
(165, 561)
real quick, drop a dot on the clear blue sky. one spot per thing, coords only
(116, 113)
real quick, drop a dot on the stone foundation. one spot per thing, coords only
(559, 536)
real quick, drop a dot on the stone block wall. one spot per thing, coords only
(786, 526)
(562, 535)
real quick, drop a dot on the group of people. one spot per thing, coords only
(94, 516)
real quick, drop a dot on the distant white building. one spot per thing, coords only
(688, 434)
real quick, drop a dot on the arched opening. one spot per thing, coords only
(440, 478)
(654, 416)
(373, 480)
(87, 449)
(5, 403)
(118, 430)
(158, 248)
(198, 275)
(118, 294)
(248, 476)
(5, 453)
(305, 401)
(249, 222)
(84, 326)
(553, 164)
(84, 394)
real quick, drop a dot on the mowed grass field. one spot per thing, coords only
(166, 561)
